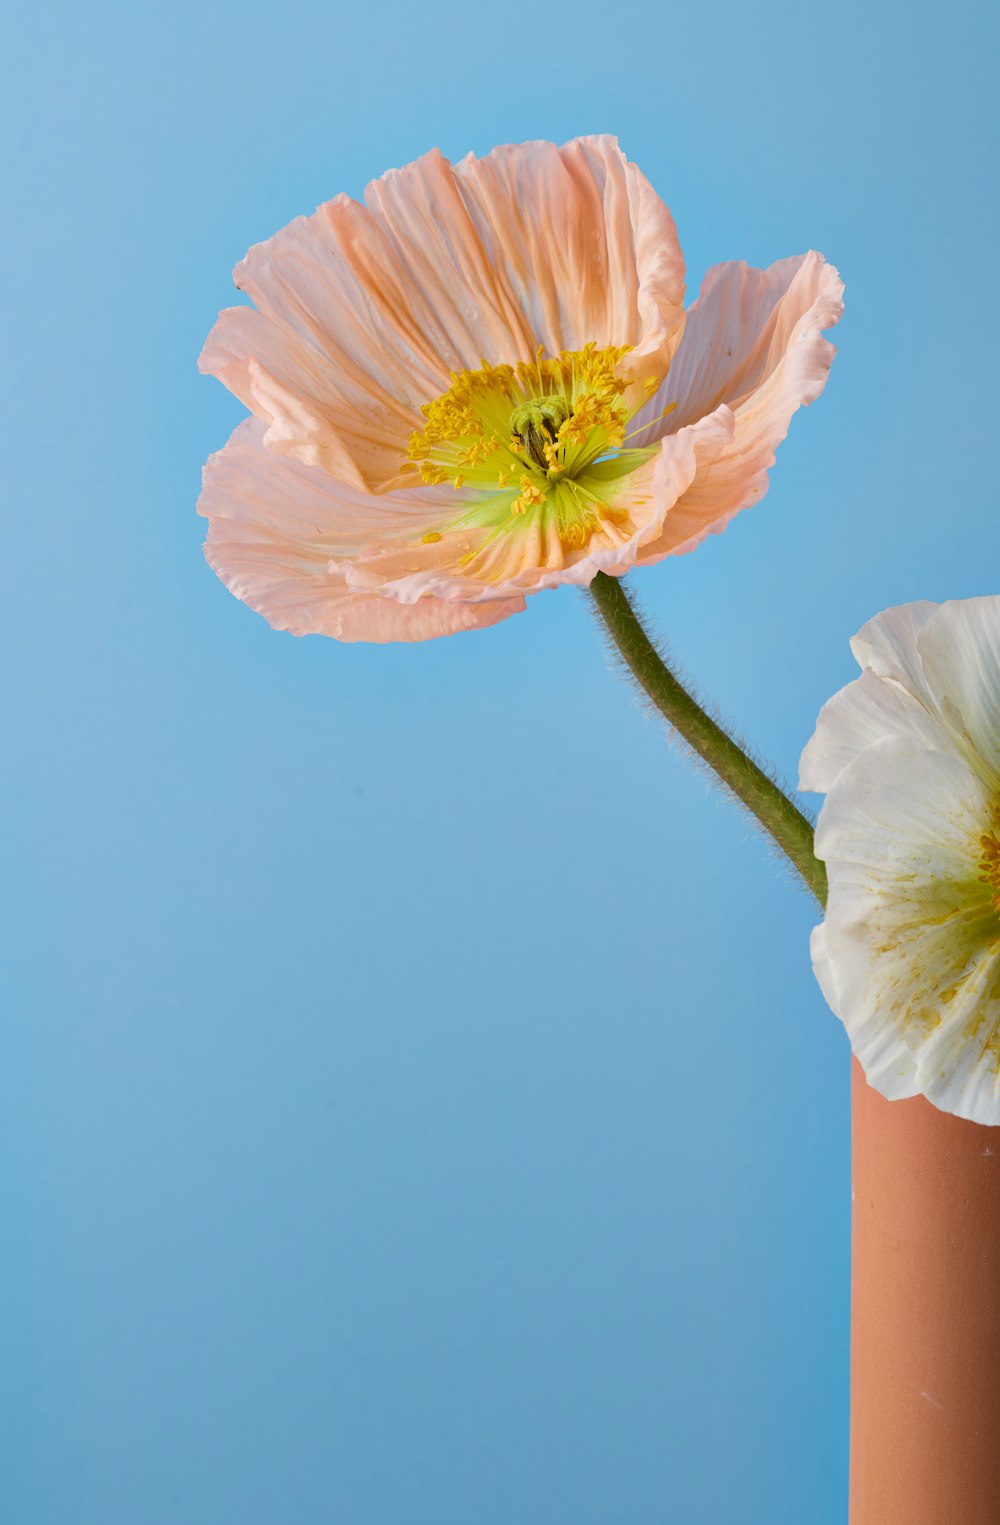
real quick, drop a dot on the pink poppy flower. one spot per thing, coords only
(482, 383)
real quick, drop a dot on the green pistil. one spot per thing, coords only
(536, 424)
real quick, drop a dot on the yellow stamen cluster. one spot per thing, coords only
(989, 863)
(530, 496)
(532, 431)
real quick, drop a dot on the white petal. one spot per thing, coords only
(867, 711)
(888, 645)
(888, 1056)
(960, 654)
(822, 968)
(909, 953)
(959, 1066)
(905, 815)
(907, 917)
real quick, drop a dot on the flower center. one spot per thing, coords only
(989, 863)
(546, 437)
(535, 427)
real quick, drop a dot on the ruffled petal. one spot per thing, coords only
(274, 527)
(475, 556)
(362, 312)
(959, 646)
(886, 1055)
(753, 342)
(908, 920)
(888, 1062)
(582, 245)
(868, 711)
(888, 646)
(959, 1065)
(347, 417)
(822, 968)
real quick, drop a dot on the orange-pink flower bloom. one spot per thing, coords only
(482, 383)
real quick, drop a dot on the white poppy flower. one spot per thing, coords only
(908, 756)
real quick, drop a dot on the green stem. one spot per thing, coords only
(780, 816)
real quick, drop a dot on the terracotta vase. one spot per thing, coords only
(925, 1316)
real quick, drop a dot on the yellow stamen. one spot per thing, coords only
(544, 425)
(989, 863)
(649, 422)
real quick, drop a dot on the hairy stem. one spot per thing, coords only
(737, 771)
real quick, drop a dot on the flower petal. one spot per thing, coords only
(887, 1056)
(362, 312)
(864, 713)
(274, 525)
(507, 557)
(583, 244)
(753, 341)
(888, 646)
(908, 920)
(959, 647)
(350, 419)
(959, 1066)
(822, 968)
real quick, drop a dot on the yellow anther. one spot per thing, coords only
(431, 538)
(989, 863)
(533, 430)
(530, 496)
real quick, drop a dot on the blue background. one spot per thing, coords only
(416, 1103)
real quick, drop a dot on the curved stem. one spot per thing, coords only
(780, 817)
